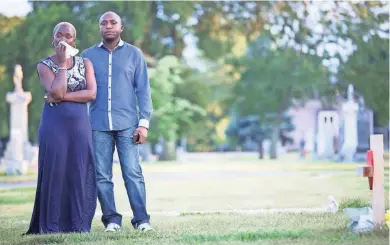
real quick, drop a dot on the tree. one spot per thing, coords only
(252, 128)
(157, 28)
(368, 66)
(368, 71)
(173, 107)
(271, 78)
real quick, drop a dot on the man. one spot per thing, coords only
(122, 80)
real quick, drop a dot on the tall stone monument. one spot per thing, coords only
(19, 152)
(350, 110)
(365, 128)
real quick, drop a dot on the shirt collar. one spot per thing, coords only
(120, 44)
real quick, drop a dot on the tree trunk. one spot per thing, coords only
(261, 150)
(145, 151)
(274, 141)
(169, 149)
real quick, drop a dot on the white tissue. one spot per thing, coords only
(70, 51)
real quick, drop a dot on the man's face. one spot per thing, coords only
(110, 27)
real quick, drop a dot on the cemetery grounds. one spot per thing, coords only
(217, 198)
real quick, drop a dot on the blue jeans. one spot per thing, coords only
(104, 144)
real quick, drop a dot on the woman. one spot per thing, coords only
(66, 190)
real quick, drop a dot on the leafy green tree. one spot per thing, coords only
(252, 128)
(156, 27)
(174, 108)
(368, 66)
(272, 77)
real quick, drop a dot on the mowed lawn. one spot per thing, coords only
(231, 189)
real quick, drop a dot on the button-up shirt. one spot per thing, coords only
(122, 81)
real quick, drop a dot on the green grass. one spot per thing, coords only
(250, 236)
(214, 184)
(31, 175)
(303, 229)
(353, 203)
(17, 196)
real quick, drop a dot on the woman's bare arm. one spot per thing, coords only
(55, 84)
(87, 94)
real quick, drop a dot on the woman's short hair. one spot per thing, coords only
(64, 23)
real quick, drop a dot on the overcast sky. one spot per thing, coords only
(14, 7)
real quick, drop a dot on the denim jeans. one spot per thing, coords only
(104, 145)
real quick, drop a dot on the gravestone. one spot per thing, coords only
(349, 111)
(19, 152)
(327, 132)
(365, 128)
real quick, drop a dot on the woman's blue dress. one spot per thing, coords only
(66, 192)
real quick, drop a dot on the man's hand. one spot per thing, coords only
(143, 134)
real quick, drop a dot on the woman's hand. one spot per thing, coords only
(61, 55)
(49, 99)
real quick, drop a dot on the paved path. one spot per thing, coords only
(197, 175)
(229, 174)
(26, 184)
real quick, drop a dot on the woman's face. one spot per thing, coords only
(64, 33)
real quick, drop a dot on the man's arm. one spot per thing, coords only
(142, 90)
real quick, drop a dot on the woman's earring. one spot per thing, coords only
(52, 44)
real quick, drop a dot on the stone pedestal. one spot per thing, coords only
(19, 153)
(13, 160)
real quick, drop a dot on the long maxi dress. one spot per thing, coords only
(66, 192)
